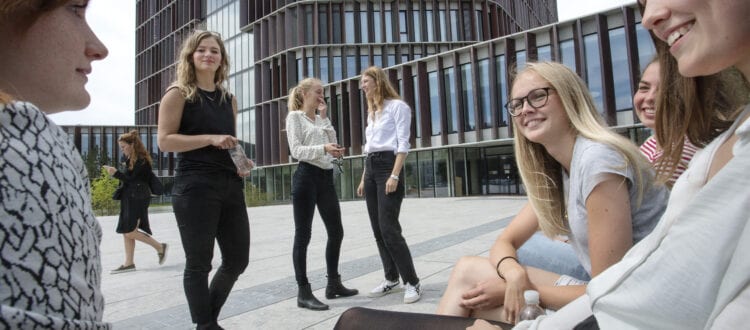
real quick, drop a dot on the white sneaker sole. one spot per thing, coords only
(380, 294)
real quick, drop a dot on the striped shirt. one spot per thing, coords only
(653, 152)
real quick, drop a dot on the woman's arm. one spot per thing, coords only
(139, 173)
(610, 224)
(170, 115)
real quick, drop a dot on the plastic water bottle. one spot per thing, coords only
(532, 310)
(240, 160)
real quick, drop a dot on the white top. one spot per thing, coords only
(590, 163)
(307, 138)
(50, 268)
(693, 270)
(390, 130)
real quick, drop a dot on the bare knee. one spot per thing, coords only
(131, 235)
(468, 269)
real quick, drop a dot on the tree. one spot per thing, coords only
(94, 159)
(102, 189)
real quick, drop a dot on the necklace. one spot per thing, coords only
(205, 93)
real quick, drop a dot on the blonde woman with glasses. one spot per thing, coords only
(583, 180)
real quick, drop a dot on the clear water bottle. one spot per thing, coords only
(244, 165)
(532, 310)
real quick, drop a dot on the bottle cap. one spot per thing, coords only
(531, 297)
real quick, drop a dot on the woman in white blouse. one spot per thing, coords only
(312, 141)
(388, 128)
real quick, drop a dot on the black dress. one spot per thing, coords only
(136, 197)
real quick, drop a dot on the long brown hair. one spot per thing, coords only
(699, 108)
(186, 80)
(383, 90)
(139, 150)
(22, 14)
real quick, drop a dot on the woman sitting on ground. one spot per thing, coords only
(583, 180)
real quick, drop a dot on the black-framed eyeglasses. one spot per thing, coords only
(536, 98)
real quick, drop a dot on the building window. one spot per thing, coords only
(502, 90)
(309, 25)
(351, 66)
(376, 26)
(483, 68)
(430, 25)
(338, 70)
(417, 26)
(620, 69)
(426, 173)
(417, 106)
(646, 50)
(455, 28)
(443, 24)
(434, 102)
(467, 89)
(520, 59)
(568, 54)
(388, 26)
(349, 30)
(363, 25)
(311, 66)
(442, 189)
(323, 24)
(403, 27)
(451, 101)
(544, 53)
(324, 69)
(336, 24)
(594, 69)
(480, 22)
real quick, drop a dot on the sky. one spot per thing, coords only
(112, 81)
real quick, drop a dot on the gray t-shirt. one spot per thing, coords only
(591, 160)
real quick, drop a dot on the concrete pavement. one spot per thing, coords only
(438, 231)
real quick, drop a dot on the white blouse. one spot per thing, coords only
(307, 138)
(391, 129)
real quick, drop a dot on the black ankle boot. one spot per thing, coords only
(335, 289)
(305, 299)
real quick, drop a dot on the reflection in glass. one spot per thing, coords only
(593, 69)
(388, 26)
(520, 59)
(451, 101)
(417, 23)
(430, 25)
(433, 81)
(324, 69)
(442, 186)
(349, 31)
(363, 25)
(567, 54)
(646, 50)
(544, 53)
(502, 90)
(620, 69)
(403, 32)
(338, 72)
(467, 89)
(483, 68)
(426, 174)
(411, 175)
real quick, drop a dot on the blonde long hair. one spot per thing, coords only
(139, 150)
(296, 94)
(186, 78)
(383, 91)
(542, 174)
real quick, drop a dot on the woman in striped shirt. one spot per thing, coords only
(644, 102)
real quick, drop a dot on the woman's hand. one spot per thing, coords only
(517, 281)
(391, 185)
(486, 294)
(361, 189)
(111, 170)
(334, 150)
(223, 141)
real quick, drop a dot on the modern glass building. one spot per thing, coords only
(450, 61)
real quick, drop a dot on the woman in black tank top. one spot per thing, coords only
(197, 119)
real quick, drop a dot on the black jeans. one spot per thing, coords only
(384, 210)
(208, 208)
(314, 186)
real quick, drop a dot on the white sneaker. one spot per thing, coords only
(412, 293)
(383, 289)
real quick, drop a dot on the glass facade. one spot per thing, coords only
(451, 65)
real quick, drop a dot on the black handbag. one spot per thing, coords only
(155, 185)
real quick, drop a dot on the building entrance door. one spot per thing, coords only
(502, 175)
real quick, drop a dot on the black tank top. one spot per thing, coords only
(208, 114)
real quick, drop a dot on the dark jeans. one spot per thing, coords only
(314, 186)
(208, 208)
(384, 210)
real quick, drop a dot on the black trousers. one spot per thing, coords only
(313, 186)
(360, 318)
(211, 208)
(384, 210)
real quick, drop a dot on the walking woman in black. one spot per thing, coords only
(197, 119)
(135, 198)
(388, 129)
(312, 141)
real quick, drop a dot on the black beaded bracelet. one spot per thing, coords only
(497, 267)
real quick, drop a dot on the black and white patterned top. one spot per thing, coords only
(50, 267)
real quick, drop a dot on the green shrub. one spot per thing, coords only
(102, 189)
